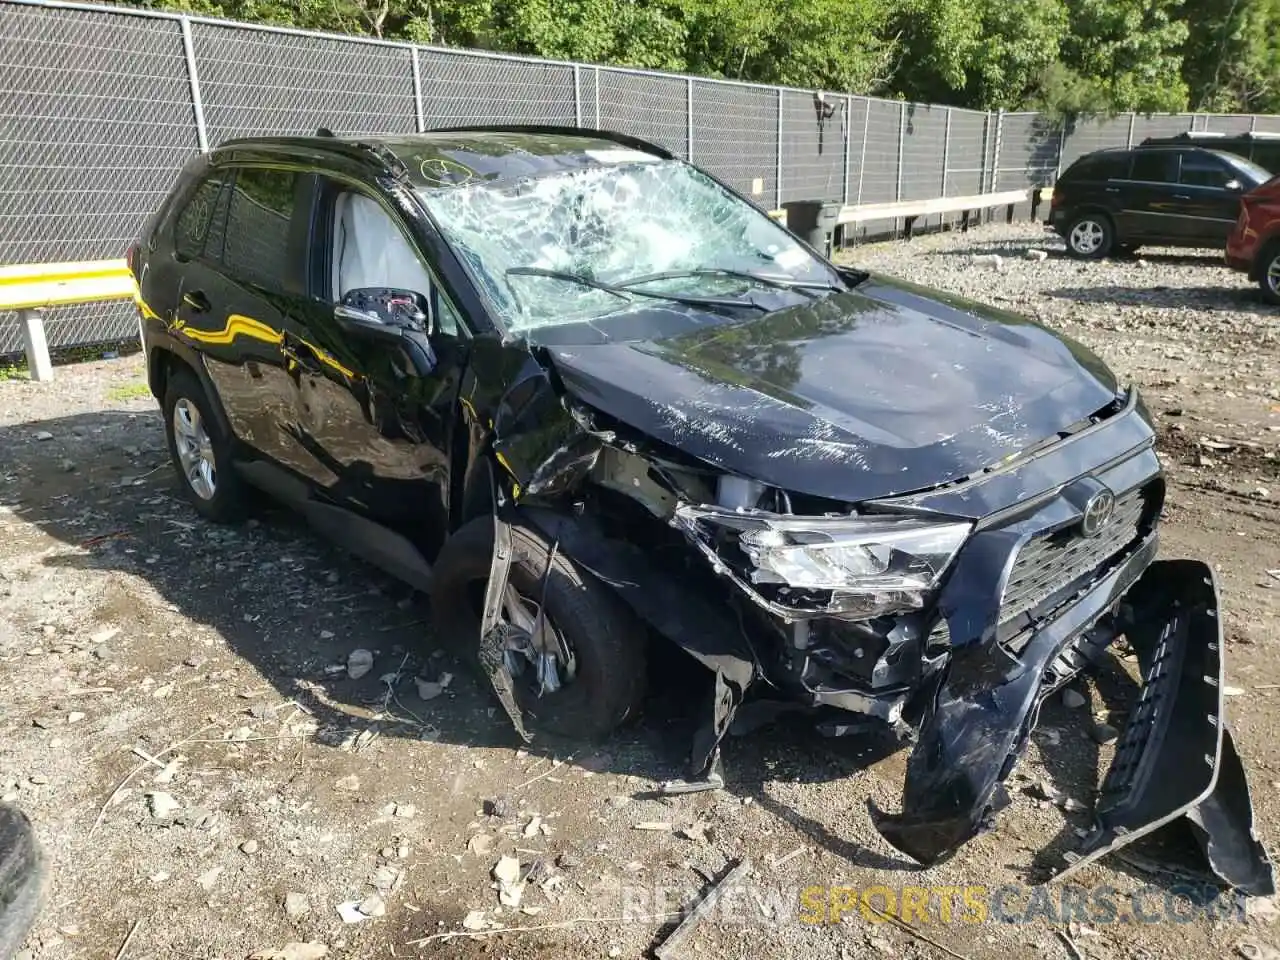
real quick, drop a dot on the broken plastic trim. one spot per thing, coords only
(871, 565)
(1176, 756)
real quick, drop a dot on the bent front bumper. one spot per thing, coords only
(1175, 758)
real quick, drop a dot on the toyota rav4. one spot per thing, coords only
(586, 395)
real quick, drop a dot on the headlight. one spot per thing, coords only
(861, 566)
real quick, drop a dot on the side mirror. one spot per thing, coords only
(1235, 186)
(391, 316)
(366, 310)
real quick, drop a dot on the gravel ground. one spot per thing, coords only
(177, 717)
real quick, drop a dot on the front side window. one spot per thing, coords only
(256, 245)
(1203, 170)
(371, 249)
(612, 224)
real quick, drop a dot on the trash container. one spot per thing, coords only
(814, 221)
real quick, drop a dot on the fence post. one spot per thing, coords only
(1253, 123)
(777, 182)
(577, 95)
(688, 118)
(902, 135)
(597, 80)
(1062, 148)
(862, 149)
(37, 346)
(417, 91)
(193, 76)
(946, 161)
(1132, 119)
(848, 146)
(995, 157)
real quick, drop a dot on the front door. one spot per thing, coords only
(1208, 209)
(370, 410)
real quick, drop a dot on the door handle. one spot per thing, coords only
(1181, 196)
(197, 301)
(1113, 189)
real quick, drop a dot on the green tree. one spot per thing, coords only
(1232, 55)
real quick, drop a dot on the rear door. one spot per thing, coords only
(1206, 209)
(238, 307)
(1150, 209)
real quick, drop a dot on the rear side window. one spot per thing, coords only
(1155, 166)
(1099, 166)
(1203, 170)
(256, 245)
(191, 229)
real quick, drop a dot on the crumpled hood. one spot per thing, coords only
(882, 390)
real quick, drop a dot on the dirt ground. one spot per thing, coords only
(279, 789)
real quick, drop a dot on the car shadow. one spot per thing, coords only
(293, 607)
(1228, 298)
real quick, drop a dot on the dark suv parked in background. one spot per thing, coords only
(1114, 201)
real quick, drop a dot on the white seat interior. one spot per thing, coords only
(370, 250)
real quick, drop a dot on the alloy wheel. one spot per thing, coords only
(1087, 236)
(195, 449)
(1273, 275)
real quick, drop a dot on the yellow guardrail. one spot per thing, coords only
(28, 288)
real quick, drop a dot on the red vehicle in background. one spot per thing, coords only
(1254, 244)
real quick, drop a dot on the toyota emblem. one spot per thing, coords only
(1097, 513)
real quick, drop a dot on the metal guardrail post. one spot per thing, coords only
(1253, 123)
(995, 157)
(777, 183)
(417, 91)
(193, 76)
(688, 118)
(1062, 148)
(946, 160)
(36, 344)
(597, 80)
(577, 95)
(1129, 140)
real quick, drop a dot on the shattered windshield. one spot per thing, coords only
(611, 225)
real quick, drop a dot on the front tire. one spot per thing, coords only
(606, 640)
(1090, 236)
(1269, 274)
(200, 452)
(23, 879)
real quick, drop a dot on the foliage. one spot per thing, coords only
(1062, 56)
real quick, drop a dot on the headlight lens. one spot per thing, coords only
(866, 566)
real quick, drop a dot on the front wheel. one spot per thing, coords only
(1090, 236)
(1269, 274)
(584, 675)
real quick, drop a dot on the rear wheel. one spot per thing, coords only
(1090, 236)
(201, 454)
(1269, 274)
(593, 681)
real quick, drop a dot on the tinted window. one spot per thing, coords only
(1100, 166)
(256, 246)
(1155, 166)
(1204, 170)
(191, 229)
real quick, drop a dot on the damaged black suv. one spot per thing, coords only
(585, 395)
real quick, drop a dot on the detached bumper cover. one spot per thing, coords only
(1175, 758)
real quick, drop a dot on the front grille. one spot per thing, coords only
(1049, 564)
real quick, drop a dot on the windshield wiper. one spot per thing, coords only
(781, 283)
(626, 294)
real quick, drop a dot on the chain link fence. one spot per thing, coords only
(101, 106)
